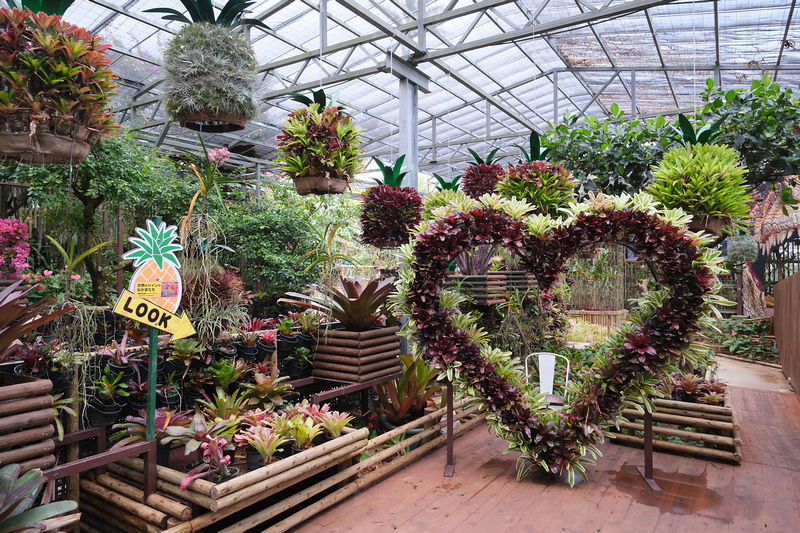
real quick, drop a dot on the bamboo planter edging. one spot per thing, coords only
(26, 428)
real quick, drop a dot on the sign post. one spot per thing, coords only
(154, 295)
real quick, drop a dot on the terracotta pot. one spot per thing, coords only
(212, 122)
(319, 185)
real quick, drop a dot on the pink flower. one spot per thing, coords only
(219, 155)
(84, 296)
(75, 276)
(47, 272)
(39, 287)
(25, 276)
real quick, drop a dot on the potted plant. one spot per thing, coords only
(215, 463)
(302, 431)
(359, 349)
(103, 409)
(225, 373)
(223, 406)
(210, 68)
(32, 358)
(168, 394)
(266, 344)
(333, 422)
(120, 358)
(287, 339)
(266, 391)
(308, 322)
(15, 250)
(481, 176)
(484, 287)
(706, 181)
(184, 353)
(56, 87)
(134, 430)
(262, 443)
(319, 147)
(194, 388)
(405, 398)
(389, 211)
(298, 362)
(137, 395)
(247, 348)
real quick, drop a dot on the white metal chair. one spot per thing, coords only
(547, 370)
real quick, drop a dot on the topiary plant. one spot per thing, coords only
(546, 186)
(481, 176)
(706, 181)
(209, 68)
(389, 211)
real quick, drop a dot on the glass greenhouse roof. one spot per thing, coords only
(494, 69)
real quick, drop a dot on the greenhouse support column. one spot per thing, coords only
(633, 92)
(323, 24)
(555, 97)
(409, 129)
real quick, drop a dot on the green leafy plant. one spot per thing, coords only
(199, 430)
(70, 261)
(536, 152)
(18, 495)
(302, 431)
(319, 140)
(184, 351)
(324, 254)
(392, 175)
(230, 15)
(225, 372)
(705, 180)
(404, 398)
(704, 135)
(263, 439)
(62, 405)
(51, 7)
(389, 211)
(356, 304)
(333, 422)
(108, 389)
(445, 185)
(223, 405)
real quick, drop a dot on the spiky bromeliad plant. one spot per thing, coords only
(547, 186)
(209, 67)
(319, 143)
(706, 181)
(356, 304)
(481, 176)
(17, 497)
(389, 211)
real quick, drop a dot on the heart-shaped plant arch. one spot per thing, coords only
(657, 337)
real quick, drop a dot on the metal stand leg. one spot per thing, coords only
(150, 474)
(449, 468)
(647, 471)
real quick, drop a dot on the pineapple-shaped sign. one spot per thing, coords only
(157, 277)
(155, 290)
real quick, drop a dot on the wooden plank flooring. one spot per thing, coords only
(762, 494)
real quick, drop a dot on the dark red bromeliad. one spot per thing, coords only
(559, 440)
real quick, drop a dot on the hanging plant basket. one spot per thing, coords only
(212, 122)
(711, 225)
(319, 185)
(42, 148)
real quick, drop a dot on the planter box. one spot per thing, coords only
(717, 430)
(26, 422)
(520, 280)
(610, 319)
(489, 289)
(356, 356)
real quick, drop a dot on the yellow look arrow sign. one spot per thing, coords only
(153, 315)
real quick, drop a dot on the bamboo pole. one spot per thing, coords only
(201, 486)
(366, 480)
(48, 461)
(72, 425)
(124, 521)
(687, 412)
(680, 420)
(294, 475)
(157, 501)
(162, 485)
(25, 405)
(27, 452)
(35, 387)
(93, 524)
(700, 407)
(385, 351)
(206, 519)
(680, 448)
(352, 376)
(703, 437)
(28, 420)
(737, 450)
(140, 510)
(26, 436)
(419, 422)
(278, 467)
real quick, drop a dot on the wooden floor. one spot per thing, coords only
(762, 494)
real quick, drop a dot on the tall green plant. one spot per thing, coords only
(405, 398)
(230, 16)
(18, 494)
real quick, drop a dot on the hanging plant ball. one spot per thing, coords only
(210, 75)
(547, 186)
(48, 117)
(388, 215)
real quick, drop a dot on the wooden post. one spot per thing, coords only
(450, 465)
(647, 472)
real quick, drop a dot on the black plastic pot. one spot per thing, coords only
(102, 339)
(102, 415)
(172, 367)
(283, 453)
(248, 353)
(132, 408)
(61, 379)
(224, 351)
(172, 401)
(304, 340)
(190, 398)
(264, 350)
(253, 460)
(127, 371)
(286, 343)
